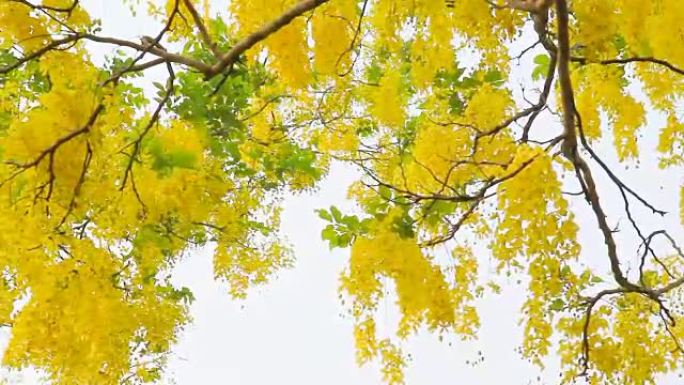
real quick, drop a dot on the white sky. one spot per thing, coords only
(293, 330)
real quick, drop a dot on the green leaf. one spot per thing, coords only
(336, 214)
(374, 73)
(566, 270)
(542, 62)
(166, 160)
(619, 42)
(5, 120)
(329, 234)
(344, 240)
(557, 305)
(351, 221)
(385, 192)
(469, 82)
(456, 104)
(323, 214)
(495, 77)
(404, 226)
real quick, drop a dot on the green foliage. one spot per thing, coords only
(541, 68)
(342, 229)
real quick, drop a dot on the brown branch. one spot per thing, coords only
(526, 50)
(541, 103)
(519, 115)
(210, 225)
(142, 48)
(68, 10)
(79, 184)
(585, 330)
(133, 66)
(351, 44)
(202, 28)
(669, 330)
(138, 197)
(636, 59)
(143, 66)
(165, 55)
(609, 172)
(455, 227)
(669, 287)
(475, 199)
(642, 264)
(653, 294)
(263, 106)
(539, 12)
(51, 150)
(569, 145)
(674, 244)
(168, 56)
(265, 31)
(137, 144)
(40, 52)
(46, 10)
(594, 202)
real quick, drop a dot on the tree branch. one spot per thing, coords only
(40, 52)
(168, 56)
(137, 144)
(636, 59)
(50, 153)
(202, 28)
(68, 10)
(230, 57)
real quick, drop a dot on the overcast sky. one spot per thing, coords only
(294, 331)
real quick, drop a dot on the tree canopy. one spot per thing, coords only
(479, 128)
